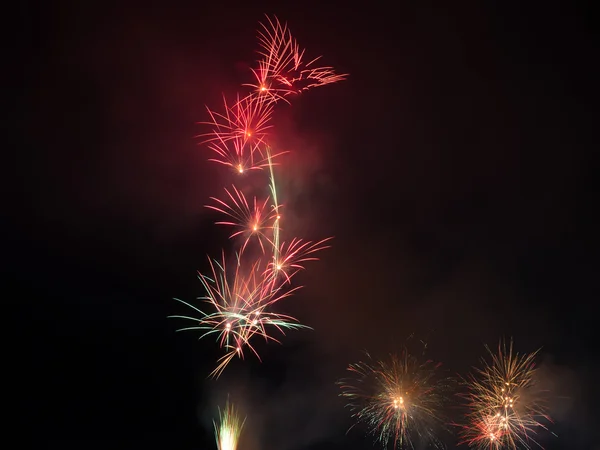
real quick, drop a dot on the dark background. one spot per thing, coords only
(454, 167)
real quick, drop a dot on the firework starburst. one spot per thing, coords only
(399, 399)
(282, 70)
(506, 410)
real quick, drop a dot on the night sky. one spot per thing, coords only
(455, 168)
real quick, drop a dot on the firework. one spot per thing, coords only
(277, 50)
(290, 257)
(227, 432)
(250, 219)
(241, 299)
(281, 69)
(505, 408)
(237, 135)
(399, 400)
(246, 119)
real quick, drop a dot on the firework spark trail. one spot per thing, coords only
(227, 432)
(399, 400)
(274, 206)
(505, 409)
(241, 299)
